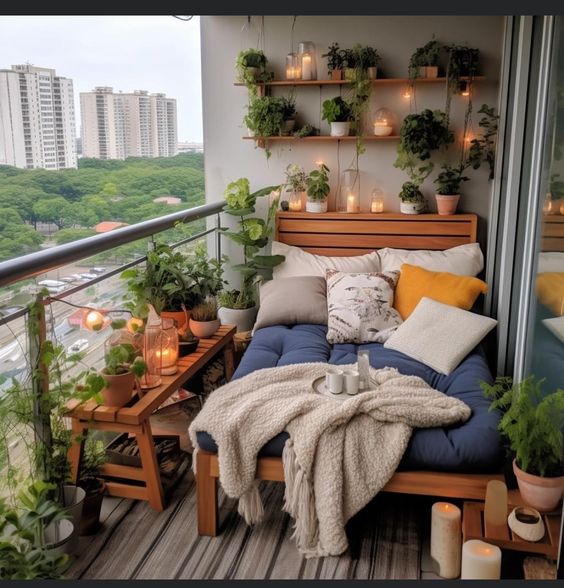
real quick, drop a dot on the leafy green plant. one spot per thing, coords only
(462, 63)
(251, 58)
(367, 57)
(336, 110)
(288, 106)
(253, 233)
(422, 133)
(426, 56)
(236, 299)
(448, 182)
(334, 57)
(23, 553)
(265, 117)
(410, 192)
(295, 178)
(123, 358)
(93, 458)
(318, 184)
(482, 148)
(205, 311)
(532, 422)
(205, 271)
(306, 130)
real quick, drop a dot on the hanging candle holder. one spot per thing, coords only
(307, 60)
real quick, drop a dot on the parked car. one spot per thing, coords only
(89, 276)
(78, 346)
(97, 270)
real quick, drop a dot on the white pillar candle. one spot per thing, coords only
(480, 561)
(382, 128)
(446, 538)
(351, 202)
(306, 66)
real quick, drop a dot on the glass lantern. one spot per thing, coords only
(296, 201)
(293, 67)
(349, 191)
(377, 201)
(160, 351)
(384, 120)
(307, 61)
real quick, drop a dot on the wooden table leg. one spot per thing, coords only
(79, 432)
(206, 491)
(229, 360)
(150, 467)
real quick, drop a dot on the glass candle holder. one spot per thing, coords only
(293, 67)
(349, 192)
(306, 51)
(383, 122)
(295, 201)
(377, 201)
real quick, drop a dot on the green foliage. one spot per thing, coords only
(93, 458)
(426, 56)
(23, 554)
(448, 182)
(69, 235)
(462, 62)
(205, 310)
(236, 299)
(266, 115)
(422, 133)
(295, 178)
(253, 233)
(123, 358)
(482, 148)
(410, 192)
(318, 184)
(533, 423)
(336, 110)
(306, 130)
(16, 238)
(288, 106)
(334, 57)
(254, 58)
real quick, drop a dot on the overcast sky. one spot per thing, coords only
(154, 53)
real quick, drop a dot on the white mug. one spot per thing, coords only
(352, 381)
(334, 380)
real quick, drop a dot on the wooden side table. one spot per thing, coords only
(134, 419)
(241, 341)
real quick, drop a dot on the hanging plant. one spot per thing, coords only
(462, 63)
(265, 117)
(482, 148)
(424, 57)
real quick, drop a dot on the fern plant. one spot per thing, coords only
(533, 422)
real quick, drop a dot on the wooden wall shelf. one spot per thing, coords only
(322, 138)
(376, 82)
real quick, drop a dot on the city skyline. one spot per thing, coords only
(159, 54)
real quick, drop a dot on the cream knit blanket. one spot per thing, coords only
(340, 454)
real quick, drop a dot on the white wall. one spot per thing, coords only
(228, 157)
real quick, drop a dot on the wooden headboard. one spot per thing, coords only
(333, 233)
(553, 233)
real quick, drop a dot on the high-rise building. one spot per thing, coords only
(120, 125)
(37, 125)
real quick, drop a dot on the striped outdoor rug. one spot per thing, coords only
(137, 542)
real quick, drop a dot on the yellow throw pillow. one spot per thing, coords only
(415, 283)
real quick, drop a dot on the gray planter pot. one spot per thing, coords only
(58, 537)
(73, 504)
(244, 319)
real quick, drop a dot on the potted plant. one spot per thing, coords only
(334, 62)
(462, 66)
(187, 341)
(288, 106)
(117, 379)
(448, 184)
(296, 185)
(317, 189)
(93, 457)
(424, 63)
(412, 199)
(249, 65)
(253, 234)
(238, 308)
(165, 283)
(533, 423)
(350, 61)
(368, 59)
(203, 321)
(337, 112)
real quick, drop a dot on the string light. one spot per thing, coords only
(94, 320)
(134, 324)
(407, 92)
(464, 89)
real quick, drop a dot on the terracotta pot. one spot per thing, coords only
(316, 206)
(90, 520)
(340, 129)
(243, 318)
(336, 74)
(204, 329)
(429, 71)
(119, 389)
(179, 317)
(446, 205)
(372, 73)
(544, 494)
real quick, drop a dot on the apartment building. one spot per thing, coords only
(37, 118)
(120, 125)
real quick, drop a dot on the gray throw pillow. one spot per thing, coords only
(293, 301)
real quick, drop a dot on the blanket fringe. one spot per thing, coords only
(195, 459)
(250, 506)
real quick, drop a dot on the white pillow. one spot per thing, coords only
(360, 306)
(440, 335)
(301, 263)
(464, 260)
(555, 326)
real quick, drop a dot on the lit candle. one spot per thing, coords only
(166, 360)
(446, 538)
(295, 205)
(382, 128)
(134, 324)
(495, 508)
(377, 205)
(351, 202)
(306, 67)
(480, 561)
(290, 75)
(562, 207)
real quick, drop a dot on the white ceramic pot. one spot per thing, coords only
(244, 318)
(544, 494)
(58, 536)
(73, 504)
(412, 207)
(289, 126)
(316, 206)
(340, 129)
(204, 329)
(446, 204)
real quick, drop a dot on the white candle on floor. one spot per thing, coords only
(446, 539)
(480, 561)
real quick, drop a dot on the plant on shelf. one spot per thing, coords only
(203, 320)
(368, 59)
(288, 106)
(306, 130)
(425, 61)
(206, 272)
(334, 61)
(265, 117)
(337, 112)
(318, 189)
(253, 235)
(533, 423)
(250, 66)
(462, 63)
(296, 186)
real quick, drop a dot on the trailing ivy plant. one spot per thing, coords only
(482, 148)
(426, 56)
(532, 422)
(462, 63)
(252, 58)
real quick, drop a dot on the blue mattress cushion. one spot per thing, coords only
(473, 446)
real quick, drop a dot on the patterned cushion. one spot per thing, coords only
(360, 306)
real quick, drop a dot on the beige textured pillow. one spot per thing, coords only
(360, 306)
(440, 335)
(291, 301)
(301, 263)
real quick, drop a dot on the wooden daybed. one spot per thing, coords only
(344, 235)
